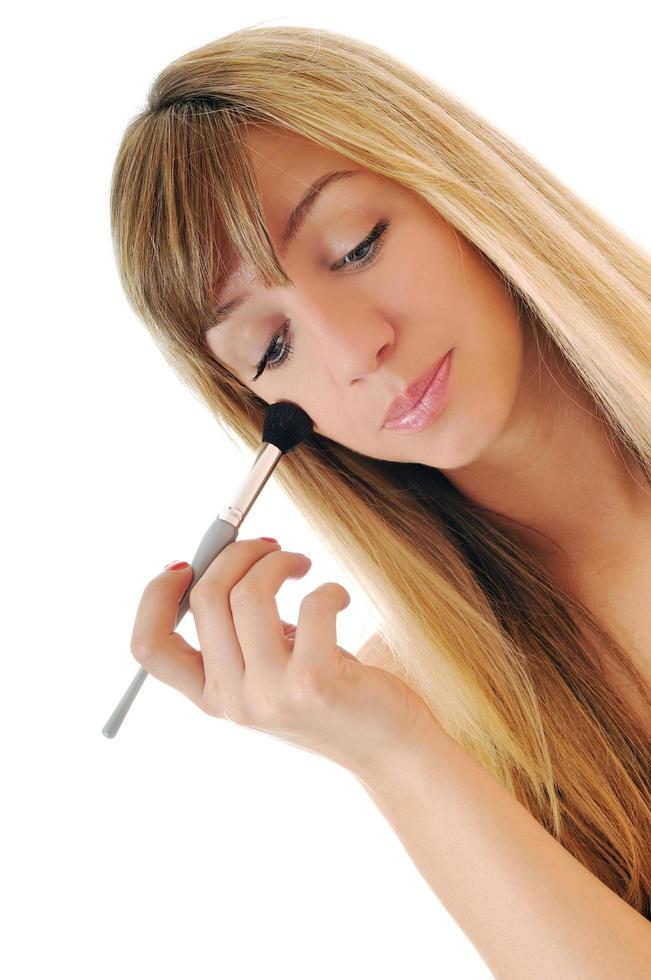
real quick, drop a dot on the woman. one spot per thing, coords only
(504, 539)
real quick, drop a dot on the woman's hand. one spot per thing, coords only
(292, 682)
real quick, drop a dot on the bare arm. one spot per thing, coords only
(528, 906)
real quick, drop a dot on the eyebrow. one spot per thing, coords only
(290, 232)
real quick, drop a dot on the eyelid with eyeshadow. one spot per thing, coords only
(373, 239)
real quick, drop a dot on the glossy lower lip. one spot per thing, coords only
(431, 403)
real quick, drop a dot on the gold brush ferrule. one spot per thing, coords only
(261, 469)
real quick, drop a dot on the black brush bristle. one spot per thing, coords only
(285, 425)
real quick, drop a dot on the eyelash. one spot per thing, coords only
(375, 239)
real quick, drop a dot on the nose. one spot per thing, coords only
(353, 340)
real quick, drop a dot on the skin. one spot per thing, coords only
(292, 681)
(517, 434)
(360, 337)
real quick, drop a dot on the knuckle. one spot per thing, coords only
(326, 594)
(143, 652)
(308, 689)
(310, 686)
(198, 597)
(268, 709)
(313, 600)
(213, 689)
(209, 705)
(245, 591)
(233, 710)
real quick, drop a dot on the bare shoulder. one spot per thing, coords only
(375, 653)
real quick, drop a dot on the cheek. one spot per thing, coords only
(490, 333)
(489, 343)
(486, 382)
(495, 354)
(332, 420)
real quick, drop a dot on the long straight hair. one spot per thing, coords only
(510, 664)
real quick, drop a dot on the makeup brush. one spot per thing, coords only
(285, 425)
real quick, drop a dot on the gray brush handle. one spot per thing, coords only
(219, 534)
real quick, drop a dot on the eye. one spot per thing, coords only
(372, 242)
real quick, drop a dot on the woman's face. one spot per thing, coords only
(362, 331)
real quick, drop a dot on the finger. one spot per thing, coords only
(210, 605)
(162, 652)
(289, 629)
(255, 613)
(315, 641)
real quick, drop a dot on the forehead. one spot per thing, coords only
(285, 164)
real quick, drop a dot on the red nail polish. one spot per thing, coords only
(175, 565)
(269, 539)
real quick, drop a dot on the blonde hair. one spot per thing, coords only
(508, 662)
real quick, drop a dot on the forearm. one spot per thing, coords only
(525, 903)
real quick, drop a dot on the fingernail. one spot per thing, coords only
(174, 565)
(269, 539)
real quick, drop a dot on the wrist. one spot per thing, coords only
(427, 743)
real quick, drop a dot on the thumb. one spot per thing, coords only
(177, 576)
(155, 645)
(159, 605)
(175, 580)
(174, 566)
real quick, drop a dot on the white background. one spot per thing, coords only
(189, 846)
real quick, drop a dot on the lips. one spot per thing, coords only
(412, 395)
